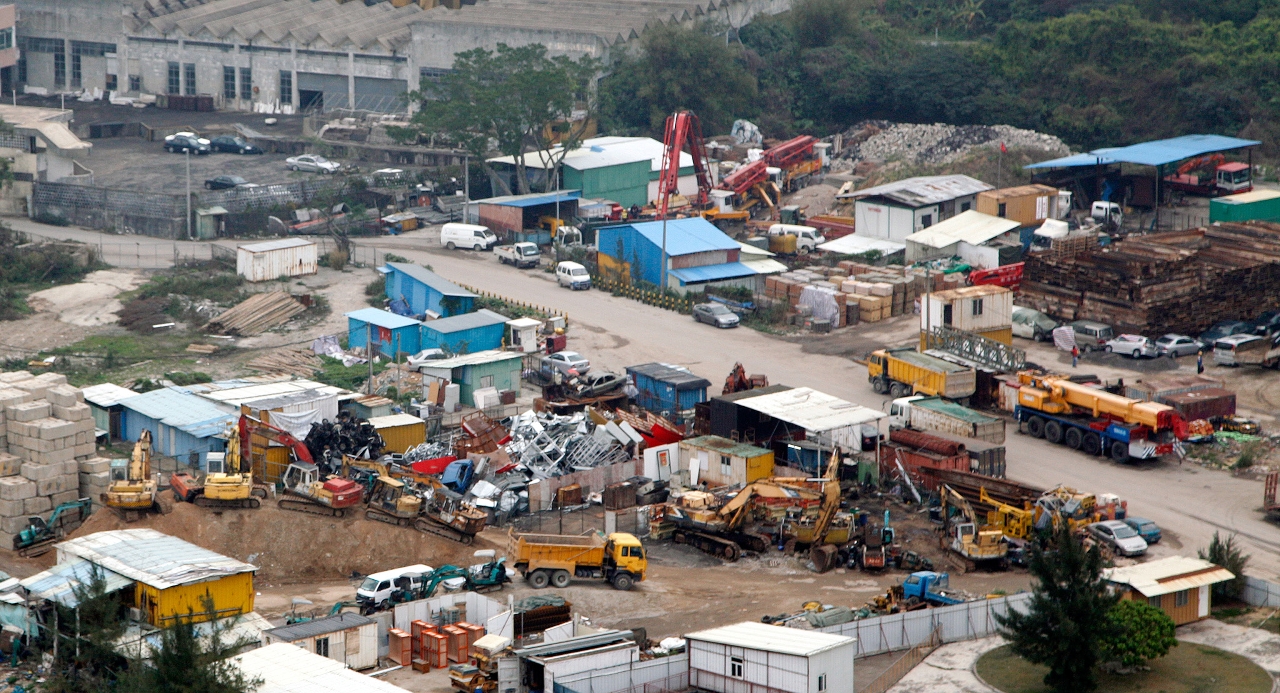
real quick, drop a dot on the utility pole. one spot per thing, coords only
(189, 195)
(466, 189)
(368, 348)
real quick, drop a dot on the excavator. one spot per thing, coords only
(720, 532)
(739, 381)
(136, 493)
(439, 510)
(390, 502)
(305, 491)
(825, 533)
(976, 546)
(230, 488)
(480, 578)
(444, 513)
(39, 536)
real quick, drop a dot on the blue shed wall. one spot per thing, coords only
(167, 440)
(403, 339)
(658, 396)
(464, 341)
(644, 256)
(421, 297)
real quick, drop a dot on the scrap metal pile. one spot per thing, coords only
(348, 435)
(547, 445)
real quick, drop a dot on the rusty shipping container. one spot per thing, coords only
(985, 458)
(1203, 404)
(913, 460)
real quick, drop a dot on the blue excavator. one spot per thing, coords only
(39, 536)
(480, 578)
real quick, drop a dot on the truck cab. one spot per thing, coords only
(1234, 178)
(900, 411)
(624, 554)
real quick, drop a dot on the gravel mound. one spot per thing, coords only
(938, 143)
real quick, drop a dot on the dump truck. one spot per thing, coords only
(905, 371)
(936, 414)
(1095, 421)
(555, 559)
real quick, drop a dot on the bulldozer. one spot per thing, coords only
(39, 536)
(975, 546)
(390, 502)
(232, 487)
(305, 491)
(136, 493)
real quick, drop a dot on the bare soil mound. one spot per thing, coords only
(291, 546)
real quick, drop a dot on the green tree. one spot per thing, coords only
(1140, 632)
(677, 68)
(191, 660)
(86, 659)
(1227, 554)
(1067, 620)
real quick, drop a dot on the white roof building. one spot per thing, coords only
(286, 668)
(816, 412)
(896, 210)
(960, 235)
(747, 656)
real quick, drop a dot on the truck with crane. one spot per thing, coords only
(1095, 421)
(1211, 176)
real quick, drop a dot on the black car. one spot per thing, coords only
(1225, 328)
(233, 144)
(1267, 323)
(183, 143)
(224, 182)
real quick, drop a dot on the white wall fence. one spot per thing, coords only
(966, 621)
(1259, 592)
(634, 677)
(474, 608)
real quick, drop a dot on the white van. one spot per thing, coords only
(807, 237)
(473, 236)
(377, 588)
(573, 275)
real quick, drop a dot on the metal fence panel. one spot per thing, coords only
(1259, 592)
(966, 621)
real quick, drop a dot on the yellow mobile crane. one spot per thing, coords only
(135, 494)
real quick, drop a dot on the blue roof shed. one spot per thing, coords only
(390, 333)
(465, 334)
(424, 290)
(183, 425)
(667, 388)
(697, 252)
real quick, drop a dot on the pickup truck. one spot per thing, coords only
(519, 254)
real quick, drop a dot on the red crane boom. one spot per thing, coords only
(681, 128)
(791, 152)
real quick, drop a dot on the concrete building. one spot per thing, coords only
(183, 425)
(422, 291)
(724, 462)
(745, 657)
(392, 335)
(896, 210)
(291, 55)
(464, 334)
(698, 255)
(171, 577)
(1177, 585)
(496, 369)
(348, 638)
(41, 147)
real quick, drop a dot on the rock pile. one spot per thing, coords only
(938, 143)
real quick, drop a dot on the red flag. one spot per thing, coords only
(1002, 149)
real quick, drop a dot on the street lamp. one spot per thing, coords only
(189, 195)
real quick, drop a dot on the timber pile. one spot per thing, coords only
(1182, 281)
(299, 362)
(256, 314)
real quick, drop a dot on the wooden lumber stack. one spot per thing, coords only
(256, 315)
(299, 362)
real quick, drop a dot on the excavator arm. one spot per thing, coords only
(140, 463)
(830, 497)
(250, 426)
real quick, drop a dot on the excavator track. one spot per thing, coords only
(306, 506)
(39, 548)
(708, 543)
(426, 524)
(206, 502)
(389, 518)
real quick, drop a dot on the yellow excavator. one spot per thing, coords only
(231, 488)
(1012, 521)
(136, 494)
(977, 546)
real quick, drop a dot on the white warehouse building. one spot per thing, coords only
(743, 657)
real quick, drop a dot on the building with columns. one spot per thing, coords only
(289, 55)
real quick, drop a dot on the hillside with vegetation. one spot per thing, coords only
(1093, 73)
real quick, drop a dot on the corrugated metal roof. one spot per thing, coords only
(811, 410)
(290, 391)
(280, 244)
(381, 318)
(177, 407)
(431, 279)
(707, 273)
(599, 152)
(480, 357)
(780, 639)
(152, 558)
(106, 394)
(678, 376)
(765, 265)
(532, 199)
(970, 292)
(1154, 153)
(319, 626)
(1032, 190)
(467, 321)
(1097, 157)
(748, 249)
(142, 639)
(971, 227)
(392, 420)
(724, 445)
(286, 668)
(1166, 575)
(923, 190)
(59, 583)
(685, 236)
(856, 245)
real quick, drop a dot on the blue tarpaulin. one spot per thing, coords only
(1155, 153)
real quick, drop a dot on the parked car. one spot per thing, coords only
(1090, 335)
(1148, 530)
(1266, 324)
(565, 361)
(1032, 324)
(456, 235)
(1122, 538)
(225, 182)
(1134, 345)
(1239, 349)
(186, 143)
(1226, 328)
(573, 275)
(235, 145)
(715, 314)
(425, 357)
(597, 384)
(312, 162)
(198, 138)
(1175, 345)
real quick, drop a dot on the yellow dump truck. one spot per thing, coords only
(554, 559)
(905, 371)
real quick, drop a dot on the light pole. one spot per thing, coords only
(189, 195)
(466, 189)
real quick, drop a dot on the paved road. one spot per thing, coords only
(1188, 501)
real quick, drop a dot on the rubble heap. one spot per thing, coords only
(46, 449)
(938, 143)
(1179, 282)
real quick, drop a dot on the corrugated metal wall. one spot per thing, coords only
(645, 258)
(400, 438)
(902, 631)
(629, 676)
(268, 265)
(591, 661)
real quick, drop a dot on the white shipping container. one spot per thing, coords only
(270, 260)
(743, 657)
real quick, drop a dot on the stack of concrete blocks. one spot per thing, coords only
(48, 434)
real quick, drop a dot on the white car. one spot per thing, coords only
(1122, 538)
(1134, 345)
(564, 361)
(201, 140)
(311, 162)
